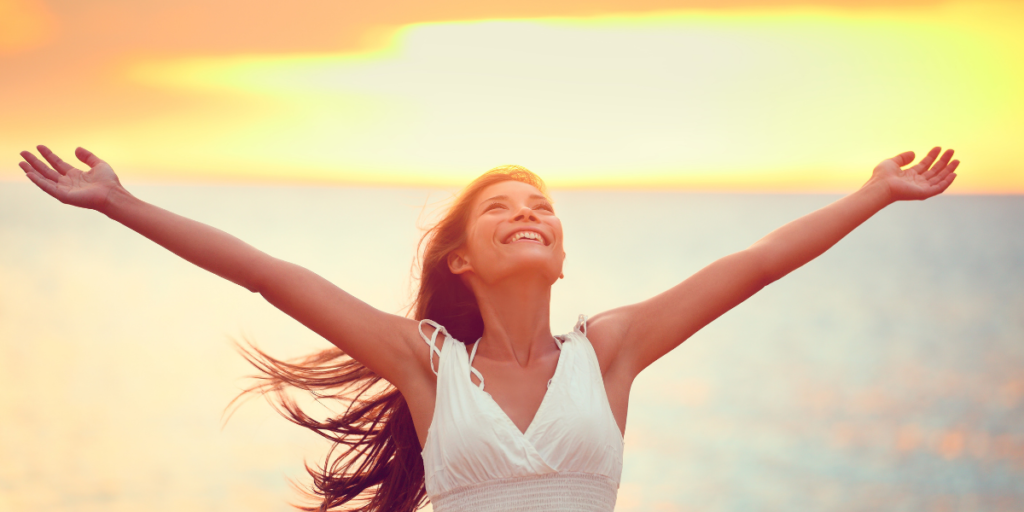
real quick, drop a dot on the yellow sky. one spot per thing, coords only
(753, 97)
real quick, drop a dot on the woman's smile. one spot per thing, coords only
(511, 217)
(526, 235)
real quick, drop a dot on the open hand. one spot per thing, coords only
(924, 180)
(69, 185)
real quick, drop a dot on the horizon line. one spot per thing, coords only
(263, 181)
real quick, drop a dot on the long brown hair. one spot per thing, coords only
(374, 463)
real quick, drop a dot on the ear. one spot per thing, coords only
(458, 264)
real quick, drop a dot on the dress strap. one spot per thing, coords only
(581, 325)
(472, 370)
(432, 340)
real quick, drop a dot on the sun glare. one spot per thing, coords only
(798, 99)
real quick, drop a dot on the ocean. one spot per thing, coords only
(887, 374)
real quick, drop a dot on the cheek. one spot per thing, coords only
(479, 238)
(559, 235)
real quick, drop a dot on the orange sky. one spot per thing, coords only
(736, 95)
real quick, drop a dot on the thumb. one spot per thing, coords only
(903, 158)
(86, 156)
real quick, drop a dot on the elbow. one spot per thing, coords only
(247, 282)
(765, 281)
(769, 276)
(761, 281)
(252, 288)
(258, 282)
(254, 274)
(766, 270)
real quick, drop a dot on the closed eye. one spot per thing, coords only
(493, 206)
(544, 206)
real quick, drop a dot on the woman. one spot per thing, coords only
(508, 416)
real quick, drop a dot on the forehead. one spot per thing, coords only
(515, 190)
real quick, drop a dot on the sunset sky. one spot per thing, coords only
(706, 95)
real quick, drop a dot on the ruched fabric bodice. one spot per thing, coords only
(569, 458)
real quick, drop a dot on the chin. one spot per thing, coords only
(529, 269)
(544, 270)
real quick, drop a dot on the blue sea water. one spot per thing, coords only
(886, 374)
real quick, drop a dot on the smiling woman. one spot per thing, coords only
(472, 402)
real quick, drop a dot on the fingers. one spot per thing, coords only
(87, 157)
(944, 172)
(46, 185)
(903, 158)
(945, 183)
(40, 167)
(939, 166)
(927, 160)
(939, 183)
(58, 165)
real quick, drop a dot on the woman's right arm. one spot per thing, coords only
(387, 344)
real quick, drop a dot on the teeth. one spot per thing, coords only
(524, 234)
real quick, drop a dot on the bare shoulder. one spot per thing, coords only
(418, 385)
(607, 333)
(418, 337)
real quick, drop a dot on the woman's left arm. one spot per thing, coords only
(633, 337)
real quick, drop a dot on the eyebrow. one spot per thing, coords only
(505, 198)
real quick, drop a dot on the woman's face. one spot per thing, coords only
(512, 233)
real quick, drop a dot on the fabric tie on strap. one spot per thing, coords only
(432, 341)
(474, 371)
(581, 325)
(569, 458)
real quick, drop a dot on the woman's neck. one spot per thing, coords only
(517, 320)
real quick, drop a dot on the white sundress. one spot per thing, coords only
(476, 459)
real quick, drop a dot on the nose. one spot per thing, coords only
(525, 214)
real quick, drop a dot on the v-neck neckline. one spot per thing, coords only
(547, 392)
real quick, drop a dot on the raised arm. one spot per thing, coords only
(385, 343)
(633, 337)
